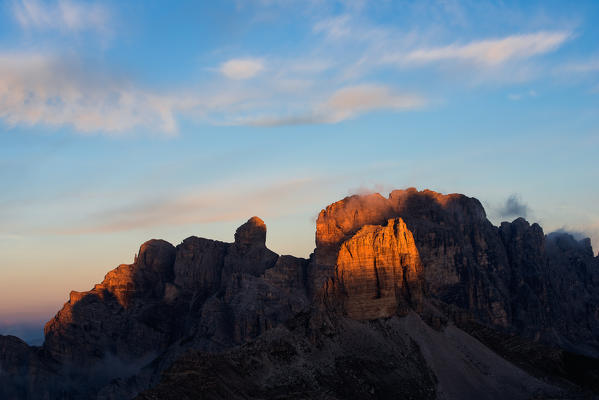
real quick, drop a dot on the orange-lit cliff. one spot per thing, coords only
(400, 292)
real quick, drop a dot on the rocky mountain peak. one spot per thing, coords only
(566, 242)
(342, 219)
(385, 260)
(251, 234)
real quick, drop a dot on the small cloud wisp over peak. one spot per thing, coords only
(513, 207)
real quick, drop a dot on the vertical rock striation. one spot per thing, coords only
(378, 272)
(377, 259)
(509, 277)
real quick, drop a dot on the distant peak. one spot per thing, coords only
(252, 233)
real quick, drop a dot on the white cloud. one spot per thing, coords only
(41, 89)
(324, 85)
(361, 49)
(62, 15)
(241, 68)
(489, 52)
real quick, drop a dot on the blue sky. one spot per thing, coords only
(124, 121)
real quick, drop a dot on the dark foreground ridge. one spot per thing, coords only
(415, 296)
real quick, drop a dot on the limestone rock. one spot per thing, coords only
(530, 294)
(378, 272)
(459, 248)
(250, 234)
(376, 260)
(199, 265)
(249, 253)
(574, 280)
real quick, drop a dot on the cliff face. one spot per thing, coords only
(376, 258)
(509, 277)
(463, 257)
(212, 294)
(378, 272)
(573, 280)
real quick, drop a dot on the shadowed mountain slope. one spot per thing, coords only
(416, 294)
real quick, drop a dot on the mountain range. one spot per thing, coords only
(415, 295)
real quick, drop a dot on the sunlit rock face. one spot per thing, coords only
(124, 315)
(509, 277)
(220, 294)
(377, 259)
(459, 248)
(378, 272)
(342, 219)
(249, 254)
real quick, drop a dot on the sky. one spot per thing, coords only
(125, 121)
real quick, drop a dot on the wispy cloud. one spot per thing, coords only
(582, 231)
(242, 68)
(42, 89)
(367, 48)
(490, 52)
(513, 207)
(334, 28)
(57, 91)
(346, 103)
(217, 203)
(333, 80)
(62, 15)
(586, 66)
(522, 95)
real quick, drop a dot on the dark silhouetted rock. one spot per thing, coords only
(416, 295)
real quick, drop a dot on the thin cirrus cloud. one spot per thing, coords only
(587, 66)
(343, 104)
(242, 68)
(62, 15)
(44, 89)
(490, 52)
(204, 205)
(389, 46)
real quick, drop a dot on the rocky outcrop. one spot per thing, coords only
(509, 277)
(341, 358)
(125, 315)
(306, 358)
(574, 283)
(378, 272)
(464, 260)
(249, 254)
(198, 266)
(23, 372)
(353, 314)
(528, 280)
